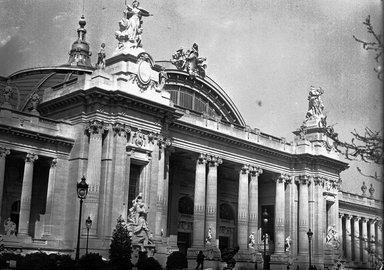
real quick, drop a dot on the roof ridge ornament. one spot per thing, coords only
(190, 61)
(79, 55)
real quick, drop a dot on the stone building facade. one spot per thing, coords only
(170, 132)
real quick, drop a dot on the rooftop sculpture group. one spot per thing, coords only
(190, 61)
(129, 34)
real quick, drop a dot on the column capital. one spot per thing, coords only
(120, 129)
(53, 163)
(163, 141)
(202, 158)
(356, 218)
(214, 161)
(364, 220)
(255, 171)
(4, 152)
(283, 178)
(303, 179)
(31, 157)
(96, 127)
(319, 181)
(244, 169)
(348, 216)
(341, 215)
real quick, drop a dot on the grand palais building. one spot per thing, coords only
(165, 129)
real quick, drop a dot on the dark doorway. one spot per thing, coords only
(183, 241)
(223, 242)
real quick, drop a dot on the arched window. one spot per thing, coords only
(226, 212)
(186, 205)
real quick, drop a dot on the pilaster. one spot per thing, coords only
(303, 182)
(318, 217)
(95, 129)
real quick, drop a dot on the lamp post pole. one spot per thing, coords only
(265, 223)
(88, 224)
(310, 234)
(82, 191)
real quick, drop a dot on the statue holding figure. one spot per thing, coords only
(190, 61)
(130, 30)
(251, 243)
(209, 236)
(315, 106)
(9, 227)
(137, 221)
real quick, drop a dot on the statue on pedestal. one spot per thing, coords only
(101, 57)
(137, 222)
(315, 106)
(129, 34)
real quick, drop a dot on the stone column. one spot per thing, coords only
(372, 236)
(211, 206)
(356, 239)
(303, 181)
(348, 237)
(199, 202)
(50, 198)
(341, 233)
(95, 130)
(253, 200)
(364, 237)
(379, 238)
(4, 152)
(242, 211)
(26, 195)
(280, 213)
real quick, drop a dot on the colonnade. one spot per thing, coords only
(26, 191)
(362, 237)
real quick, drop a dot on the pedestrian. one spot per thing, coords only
(200, 260)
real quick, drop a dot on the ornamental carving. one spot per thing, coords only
(31, 157)
(4, 152)
(96, 127)
(214, 160)
(138, 138)
(244, 169)
(163, 77)
(121, 129)
(144, 70)
(202, 158)
(255, 171)
(190, 61)
(163, 142)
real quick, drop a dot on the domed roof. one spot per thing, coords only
(201, 95)
(27, 82)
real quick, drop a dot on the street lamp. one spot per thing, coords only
(88, 224)
(82, 191)
(310, 234)
(265, 223)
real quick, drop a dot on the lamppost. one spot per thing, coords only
(310, 234)
(265, 223)
(82, 191)
(88, 224)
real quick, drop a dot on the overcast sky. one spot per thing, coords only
(264, 54)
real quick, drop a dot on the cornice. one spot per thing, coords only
(55, 140)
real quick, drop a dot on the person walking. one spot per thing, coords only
(200, 260)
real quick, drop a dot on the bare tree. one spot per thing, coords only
(367, 147)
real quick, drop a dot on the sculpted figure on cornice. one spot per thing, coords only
(190, 61)
(8, 92)
(101, 57)
(315, 106)
(130, 30)
(163, 77)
